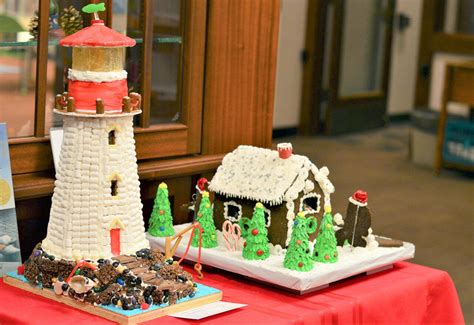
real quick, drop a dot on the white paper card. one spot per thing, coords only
(208, 310)
(56, 137)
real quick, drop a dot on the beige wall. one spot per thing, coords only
(289, 66)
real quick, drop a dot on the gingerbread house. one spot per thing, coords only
(284, 182)
(96, 208)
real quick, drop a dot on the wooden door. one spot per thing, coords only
(347, 62)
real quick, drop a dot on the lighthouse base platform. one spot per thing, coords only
(204, 295)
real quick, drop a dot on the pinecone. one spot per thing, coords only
(70, 20)
(33, 26)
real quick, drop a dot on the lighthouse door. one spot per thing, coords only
(115, 241)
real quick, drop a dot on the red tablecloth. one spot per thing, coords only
(406, 294)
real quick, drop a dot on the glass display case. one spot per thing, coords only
(180, 65)
(20, 51)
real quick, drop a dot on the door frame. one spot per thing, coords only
(313, 67)
(313, 91)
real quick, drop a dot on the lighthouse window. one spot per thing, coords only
(114, 187)
(310, 203)
(112, 137)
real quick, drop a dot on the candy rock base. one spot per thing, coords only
(126, 281)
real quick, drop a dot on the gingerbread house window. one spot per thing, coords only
(310, 203)
(114, 187)
(268, 217)
(111, 137)
(232, 211)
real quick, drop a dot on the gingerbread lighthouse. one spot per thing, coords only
(96, 208)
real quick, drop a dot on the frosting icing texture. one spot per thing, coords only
(96, 76)
(84, 208)
(259, 174)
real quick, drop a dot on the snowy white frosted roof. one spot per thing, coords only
(259, 174)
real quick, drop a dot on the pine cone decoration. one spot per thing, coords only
(33, 26)
(70, 20)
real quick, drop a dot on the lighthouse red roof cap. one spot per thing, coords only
(97, 35)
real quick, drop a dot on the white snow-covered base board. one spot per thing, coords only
(352, 261)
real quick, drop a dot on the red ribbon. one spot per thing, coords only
(197, 266)
(78, 265)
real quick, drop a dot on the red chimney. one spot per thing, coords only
(285, 150)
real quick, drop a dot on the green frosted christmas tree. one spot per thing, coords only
(161, 220)
(255, 235)
(325, 250)
(298, 256)
(205, 219)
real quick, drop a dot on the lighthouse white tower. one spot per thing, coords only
(96, 208)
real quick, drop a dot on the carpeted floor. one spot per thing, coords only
(408, 202)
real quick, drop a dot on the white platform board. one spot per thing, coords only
(351, 262)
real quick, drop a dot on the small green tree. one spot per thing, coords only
(205, 219)
(325, 249)
(161, 220)
(255, 235)
(298, 255)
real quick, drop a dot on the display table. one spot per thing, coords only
(407, 294)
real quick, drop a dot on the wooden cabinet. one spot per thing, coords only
(240, 74)
(227, 94)
(458, 85)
